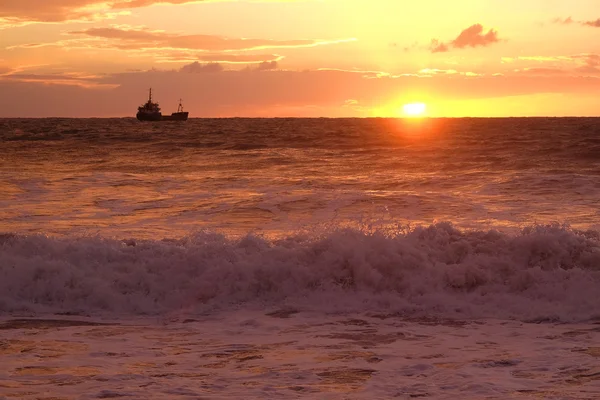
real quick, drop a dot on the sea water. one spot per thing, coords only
(289, 258)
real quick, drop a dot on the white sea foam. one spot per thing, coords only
(542, 273)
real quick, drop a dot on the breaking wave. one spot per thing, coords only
(542, 273)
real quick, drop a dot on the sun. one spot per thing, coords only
(414, 109)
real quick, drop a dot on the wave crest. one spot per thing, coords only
(542, 272)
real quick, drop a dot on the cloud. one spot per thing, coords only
(253, 92)
(435, 71)
(589, 59)
(221, 58)
(156, 54)
(473, 36)
(366, 74)
(588, 63)
(425, 72)
(406, 49)
(146, 3)
(135, 38)
(14, 13)
(267, 65)
(438, 47)
(577, 64)
(595, 24)
(197, 68)
(563, 21)
(569, 21)
(23, 12)
(541, 71)
(536, 58)
(164, 47)
(68, 79)
(5, 70)
(214, 67)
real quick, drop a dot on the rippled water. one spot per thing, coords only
(120, 177)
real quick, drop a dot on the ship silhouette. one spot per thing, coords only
(150, 111)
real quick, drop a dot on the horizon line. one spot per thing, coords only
(325, 117)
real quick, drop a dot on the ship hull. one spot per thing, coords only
(145, 116)
(179, 116)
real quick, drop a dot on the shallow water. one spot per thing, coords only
(287, 354)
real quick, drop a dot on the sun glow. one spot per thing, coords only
(414, 109)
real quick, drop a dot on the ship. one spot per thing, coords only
(150, 111)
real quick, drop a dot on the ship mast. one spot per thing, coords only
(150, 96)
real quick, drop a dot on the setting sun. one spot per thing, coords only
(414, 109)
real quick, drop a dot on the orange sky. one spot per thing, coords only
(300, 58)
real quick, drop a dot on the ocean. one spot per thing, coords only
(300, 258)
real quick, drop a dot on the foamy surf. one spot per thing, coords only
(543, 273)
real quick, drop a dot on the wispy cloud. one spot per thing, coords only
(586, 64)
(197, 68)
(436, 71)
(14, 13)
(473, 36)
(438, 47)
(369, 74)
(214, 67)
(563, 21)
(222, 58)
(5, 69)
(164, 47)
(595, 24)
(137, 38)
(68, 79)
(537, 59)
(541, 71)
(570, 21)
(268, 65)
